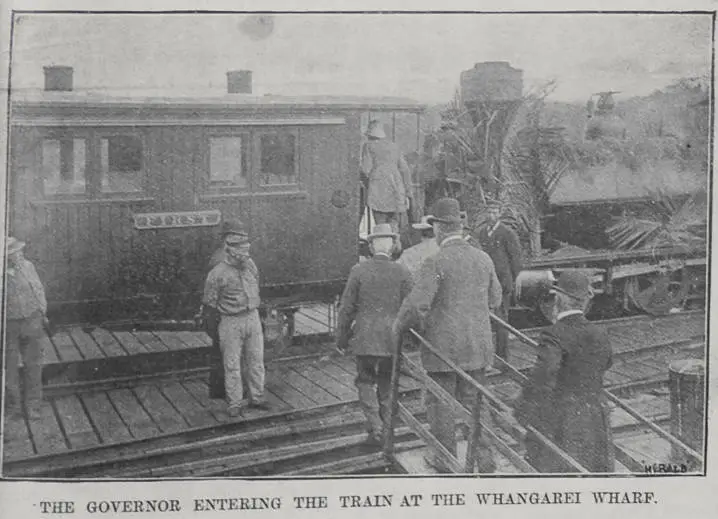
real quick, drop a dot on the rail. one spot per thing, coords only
(477, 426)
(611, 397)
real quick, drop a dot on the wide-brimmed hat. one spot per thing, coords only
(376, 129)
(237, 239)
(382, 230)
(14, 245)
(446, 210)
(234, 227)
(574, 283)
(423, 224)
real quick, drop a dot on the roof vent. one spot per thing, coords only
(58, 79)
(239, 82)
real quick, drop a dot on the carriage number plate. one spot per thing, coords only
(174, 220)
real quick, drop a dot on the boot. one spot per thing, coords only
(370, 406)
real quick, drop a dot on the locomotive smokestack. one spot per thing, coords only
(239, 82)
(58, 79)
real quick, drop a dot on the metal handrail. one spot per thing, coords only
(617, 401)
(453, 463)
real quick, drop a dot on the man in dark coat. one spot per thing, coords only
(563, 396)
(502, 245)
(452, 295)
(368, 306)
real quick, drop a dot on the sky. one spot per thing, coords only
(419, 56)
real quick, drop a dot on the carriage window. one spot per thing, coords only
(279, 159)
(227, 162)
(63, 166)
(121, 164)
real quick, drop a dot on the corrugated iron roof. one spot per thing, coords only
(616, 183)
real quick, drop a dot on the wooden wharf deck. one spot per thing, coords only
(83, 418)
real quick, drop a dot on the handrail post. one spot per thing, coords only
(394, 400)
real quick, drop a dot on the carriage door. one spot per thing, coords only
(175, 242)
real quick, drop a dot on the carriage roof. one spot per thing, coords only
(242, 102)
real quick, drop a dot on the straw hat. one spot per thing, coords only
(382, 230)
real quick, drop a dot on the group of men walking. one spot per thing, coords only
(446, 287)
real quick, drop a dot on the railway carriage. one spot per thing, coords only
(121, 199)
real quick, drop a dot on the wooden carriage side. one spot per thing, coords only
(120, 201)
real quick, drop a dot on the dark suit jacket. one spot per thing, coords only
(452, 295)
(370, 301)
(503, 247)
(563, 396)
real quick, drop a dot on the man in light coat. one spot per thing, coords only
(414, 256)
(452, 295)
(388, 177)
(368, 306)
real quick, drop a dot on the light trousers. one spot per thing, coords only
(241, 340)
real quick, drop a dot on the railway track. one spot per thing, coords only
(234, 447)
(123, 372)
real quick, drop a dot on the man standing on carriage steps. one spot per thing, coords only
(232, 291)
(370, 301)
(452, 295)
(500, 242)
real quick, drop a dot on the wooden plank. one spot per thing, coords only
(634, 370)
(86, 344)
(171, 341)
(46, 433)
(199, 390)
(160, 409)
(194, 339)
(194, 414)
(308, 388)
(611, 377)
(77, 426)
(132, 413)
(107, 343)
(327, 382)
(150, 341)
(66, 349)
(276, 383)
(130, 343)
(16, 439)
(49, 355)
(108, 423)
(339, 374)
(414, 461)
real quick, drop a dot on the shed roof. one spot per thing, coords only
(617, 183)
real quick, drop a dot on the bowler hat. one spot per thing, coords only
(446, 210)
(382, 230)
(233, 227)
(574, 283)
(14, 245)
(375, 129)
